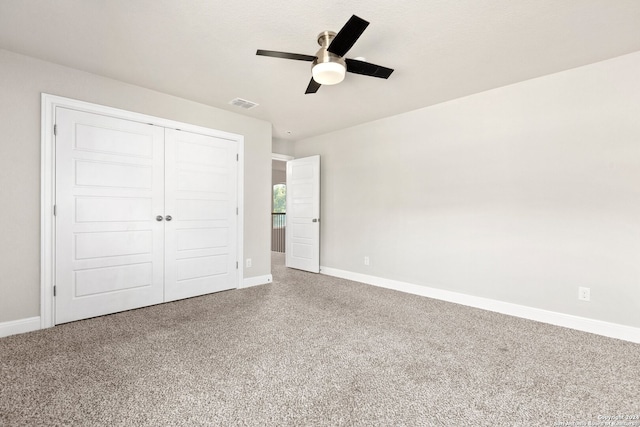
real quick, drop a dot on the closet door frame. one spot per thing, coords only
(49, 103)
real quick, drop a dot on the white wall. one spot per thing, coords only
(22, 79)
(278, 176)
(282, 146)
(520, 194)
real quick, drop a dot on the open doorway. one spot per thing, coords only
(278, 203)
(278, 217)
(295, 212)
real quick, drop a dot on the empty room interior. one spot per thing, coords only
(339, 213)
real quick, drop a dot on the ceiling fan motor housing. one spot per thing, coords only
(328, 68)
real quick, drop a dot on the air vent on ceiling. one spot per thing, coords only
(243, 103)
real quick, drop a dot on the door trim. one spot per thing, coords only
(49, 103)
(281, 157)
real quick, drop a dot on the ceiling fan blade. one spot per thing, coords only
(313, 86)
(348, 35)
(286, 55)
(368, 69)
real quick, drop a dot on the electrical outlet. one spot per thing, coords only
(366, 260)
(248, 263)
(584, 294)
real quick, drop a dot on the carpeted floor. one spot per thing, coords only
(313, 350)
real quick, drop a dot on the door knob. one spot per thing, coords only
(168, 218)
(315, 220)
(159, 218)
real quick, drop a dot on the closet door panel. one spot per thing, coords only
(201, 199)
(109, 190)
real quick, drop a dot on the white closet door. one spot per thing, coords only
(109, 190)
(201, 199)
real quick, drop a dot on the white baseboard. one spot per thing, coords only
(19, 326)
(255, 281)
(612, 330)
(33, 323)
(599, 327)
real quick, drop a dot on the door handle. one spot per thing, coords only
(315, 220)
(168, 218)
(159, 218)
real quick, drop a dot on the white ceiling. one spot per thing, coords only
(205, 50)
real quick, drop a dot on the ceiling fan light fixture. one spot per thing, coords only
(328, 73)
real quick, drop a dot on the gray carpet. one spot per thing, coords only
(314, 350)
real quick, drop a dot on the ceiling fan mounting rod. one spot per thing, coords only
(325, 37)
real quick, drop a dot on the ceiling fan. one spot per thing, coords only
(329, 65)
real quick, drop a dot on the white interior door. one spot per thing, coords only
(303, 214)
(201, 200)
(109, 190)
